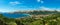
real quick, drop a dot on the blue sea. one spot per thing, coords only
(15, 15)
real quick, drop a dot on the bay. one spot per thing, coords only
(15, 15)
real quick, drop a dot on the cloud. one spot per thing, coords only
(38, 0)
(3, 10)
(41, 1)
(15, 3)
(45, 8)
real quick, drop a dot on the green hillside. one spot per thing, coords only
(53, 19)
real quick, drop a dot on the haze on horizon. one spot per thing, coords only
(16, 5)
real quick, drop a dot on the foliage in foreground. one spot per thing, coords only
(53, 19)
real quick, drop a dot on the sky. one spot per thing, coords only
(22, 5)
